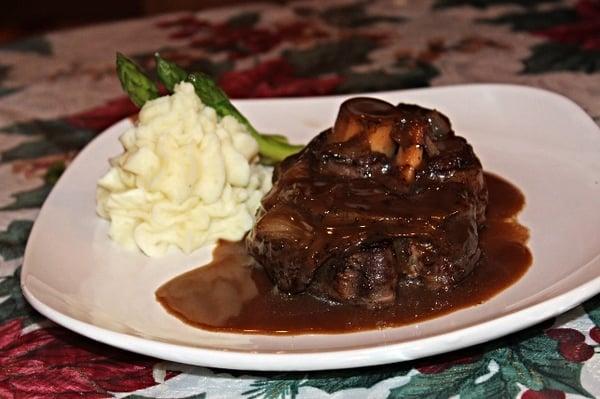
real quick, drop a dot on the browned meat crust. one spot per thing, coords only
(387, 198)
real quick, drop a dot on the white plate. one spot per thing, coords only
(540, 141)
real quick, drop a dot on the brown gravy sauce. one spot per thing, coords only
(233, 294)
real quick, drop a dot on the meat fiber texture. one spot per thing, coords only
(388, 199)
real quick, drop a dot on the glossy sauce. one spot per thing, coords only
(234, 294)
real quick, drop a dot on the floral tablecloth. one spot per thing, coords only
(59, 90)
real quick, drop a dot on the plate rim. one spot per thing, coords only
(321, 360)
(368, 355)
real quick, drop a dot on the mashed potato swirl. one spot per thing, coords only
(186, 178)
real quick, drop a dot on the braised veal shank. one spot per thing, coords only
(388, 198)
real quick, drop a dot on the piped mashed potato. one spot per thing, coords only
(186, 178)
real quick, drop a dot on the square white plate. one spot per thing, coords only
(540, 141)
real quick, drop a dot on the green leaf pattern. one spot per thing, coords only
(36, 44)
(12, 303)
(13, 240)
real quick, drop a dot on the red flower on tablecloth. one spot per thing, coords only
(103, 116)
(571, 344)
(244, 41)
(275, 78)
(572, 34)
(186, 26)
(55, 363)
(585, 32)
(239, 39)
(595, 334)
(543, 394)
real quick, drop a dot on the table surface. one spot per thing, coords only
(59, 90)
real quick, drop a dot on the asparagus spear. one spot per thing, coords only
(210, 93)
(138, 86)
(275, 147)
(169, 73)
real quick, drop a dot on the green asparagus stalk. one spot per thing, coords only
(169, 73)
(210, 93)
(138, 86)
